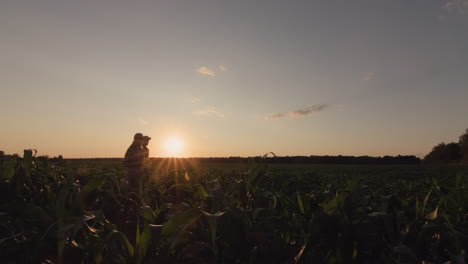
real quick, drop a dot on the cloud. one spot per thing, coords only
(369, 76)
(142, 121)
(222, 68)
(308, 110)
(194, 100)
(205, 71)
(209, 111)
(459, 7)
(275, 116)
(298, 113)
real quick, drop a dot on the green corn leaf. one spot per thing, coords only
(173, 225)
(201, 190)
(300, 203)
(9, 169)
(212, 220)
(148, 214)
(424, 205)
(32, 214)
(143, 243)
(62, 201)
(119, 245)
(95, 183)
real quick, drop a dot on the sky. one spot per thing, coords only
(233, 78)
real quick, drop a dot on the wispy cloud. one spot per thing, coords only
(274, 116)
(299, 112)
(308, 110)
(194, 100)
(210, 111)
(205, 71)
(142, 121)
(222, 68)
(369, 76)
(459, 7)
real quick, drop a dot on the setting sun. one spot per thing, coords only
(173, 146)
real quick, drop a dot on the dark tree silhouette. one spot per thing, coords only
(463, 143)
(444, 153)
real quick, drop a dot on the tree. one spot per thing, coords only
(463, 144)
(444, 153)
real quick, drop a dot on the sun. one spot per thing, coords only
(174, 146)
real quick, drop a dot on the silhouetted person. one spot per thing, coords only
(134, 159)
(144, 144)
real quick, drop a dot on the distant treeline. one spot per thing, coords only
(451, 153)
(316, 160)
(385, 160)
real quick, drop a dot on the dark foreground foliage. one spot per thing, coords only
(52, 214)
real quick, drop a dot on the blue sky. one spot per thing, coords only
(376, 77)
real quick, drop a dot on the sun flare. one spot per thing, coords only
(174, 146)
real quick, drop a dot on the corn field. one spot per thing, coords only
(52, 213)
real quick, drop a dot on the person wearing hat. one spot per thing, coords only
(144, 144)
(134, 161)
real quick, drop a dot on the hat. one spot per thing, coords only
(146, 138)
(138, 136)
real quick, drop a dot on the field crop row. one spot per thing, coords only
(51, 212)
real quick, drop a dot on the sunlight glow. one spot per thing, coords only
(174, 146)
